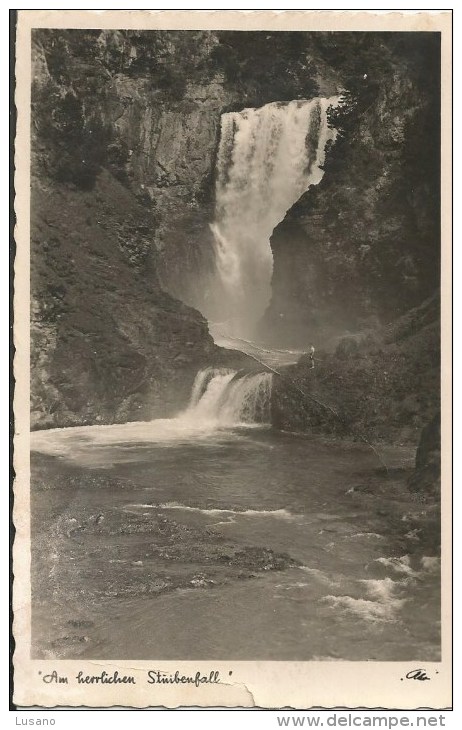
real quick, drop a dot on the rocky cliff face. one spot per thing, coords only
(161, 147)
(170, 165)
(147, 106)
(120, 172)
(381, 387)
(362, 247)
(107, 343)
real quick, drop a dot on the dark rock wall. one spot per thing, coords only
(426, 478)
(382, 387)
(160, 143)
(107, 343)
(364, 245)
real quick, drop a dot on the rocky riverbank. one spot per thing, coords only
(378, 387)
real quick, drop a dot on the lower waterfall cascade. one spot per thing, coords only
(221, 400)
(228, 398)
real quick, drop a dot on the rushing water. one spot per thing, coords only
(261, 353)
(212, 536)
(267, 158)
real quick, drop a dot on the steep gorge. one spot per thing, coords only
(126, 135)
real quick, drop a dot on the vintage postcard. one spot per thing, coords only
(233, 373)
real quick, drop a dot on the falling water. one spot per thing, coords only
(225, 398)
(267, 159)
(221, 400)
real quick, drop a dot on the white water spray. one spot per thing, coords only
(267, 159)
(226, 398)
(221, 400)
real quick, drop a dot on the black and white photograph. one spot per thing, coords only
(235, 346)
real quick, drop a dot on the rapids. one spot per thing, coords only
(212, 536)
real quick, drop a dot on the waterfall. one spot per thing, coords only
(267, 158)
(226, 398)
(221, 399)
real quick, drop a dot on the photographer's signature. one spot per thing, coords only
(418, 674)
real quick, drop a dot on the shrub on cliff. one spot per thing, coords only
(73, 97)
(75, 142)
(266, 66)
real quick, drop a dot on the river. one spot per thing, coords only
(211, 535)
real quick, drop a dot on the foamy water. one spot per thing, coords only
(218, 492)
(368, 610)
(222, 401)
(278, 514)
(399, 565)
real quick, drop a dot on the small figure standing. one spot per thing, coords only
(312, 356)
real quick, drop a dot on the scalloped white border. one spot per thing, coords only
(261, 684)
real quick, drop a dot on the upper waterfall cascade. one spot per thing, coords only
(267, 158)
